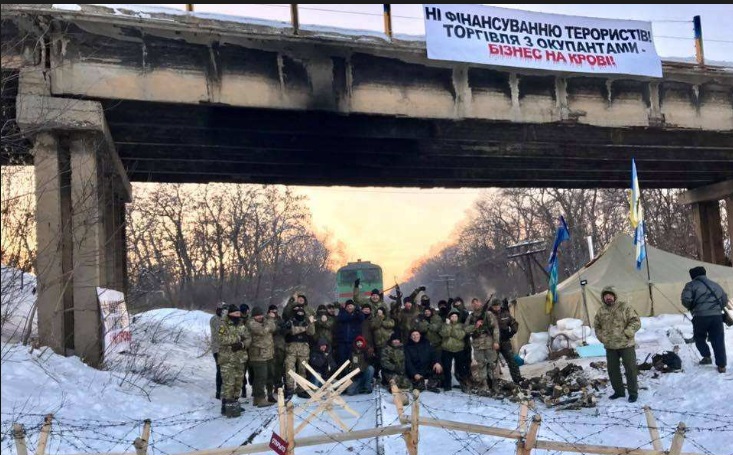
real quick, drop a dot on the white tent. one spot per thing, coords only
(616, 266)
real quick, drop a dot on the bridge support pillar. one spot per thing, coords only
(81, 191)
(705, 203)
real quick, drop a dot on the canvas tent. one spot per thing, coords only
(616, 266)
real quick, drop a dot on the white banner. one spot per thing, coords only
(115, 321)
(555, 42)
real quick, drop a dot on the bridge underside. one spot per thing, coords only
(200, 143)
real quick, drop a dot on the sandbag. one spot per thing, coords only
(569, 324)
(539, 338)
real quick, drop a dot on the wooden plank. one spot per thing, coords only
(600, 450)
(709, 193)
(471, 428)
(414, 439)
(19, 436)
(531, 438)
(291, 428)
(678, 440)
(141, 443)
(45, 432)
(651, 422)
(523, 410)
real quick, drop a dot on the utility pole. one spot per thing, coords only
(527, 250)
(448, 279)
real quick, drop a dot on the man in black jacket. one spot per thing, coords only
(507, 328)
(422, 363)
(706, 299)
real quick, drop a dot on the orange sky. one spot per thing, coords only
(392, 227)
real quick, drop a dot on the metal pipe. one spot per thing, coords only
(699, 51)
(388, 20)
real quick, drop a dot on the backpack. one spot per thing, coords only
(667, 362)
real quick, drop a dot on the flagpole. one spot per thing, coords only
(648, 272)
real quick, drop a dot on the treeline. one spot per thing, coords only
(475, 263)
(193, 245)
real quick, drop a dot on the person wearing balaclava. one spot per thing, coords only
(298, 331)
(706, 299)
(214, 324)
(234, 340)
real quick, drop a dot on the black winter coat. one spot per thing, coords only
(419, 358)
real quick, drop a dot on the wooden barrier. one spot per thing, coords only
(409, 428)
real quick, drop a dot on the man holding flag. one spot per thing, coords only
(561, 235)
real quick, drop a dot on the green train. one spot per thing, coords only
(369, 274)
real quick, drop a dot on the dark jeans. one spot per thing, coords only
(463, 362)
(505, 348)
(261, 377)
(447, 361)
(627, 356)
(218, 374)
(710, 327)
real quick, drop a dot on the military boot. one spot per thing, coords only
(261, 402)
(271, 398)
(232, 409)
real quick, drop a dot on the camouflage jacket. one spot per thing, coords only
(382, 328)
(361, 301)
(324, 329)
(214, 324)
(431, 329)
(230, 334)
(453, 337)
(616, 325)
(393, 360)
(485, 336)
(279, 336)
(263, 345)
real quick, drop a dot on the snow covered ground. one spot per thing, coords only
(102, 411)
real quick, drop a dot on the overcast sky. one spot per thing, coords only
(398, 226)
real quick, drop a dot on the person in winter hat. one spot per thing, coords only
(324, 324)
(322, 361)
(393, 363)
(706, 300)
(261, 355)
(234, 340)
(422, 363)
(616, 324)
(360, 358)
(508, 326)
(214, 324)
(298, 331)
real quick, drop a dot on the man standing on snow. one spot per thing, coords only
(261, 354)
(706, 299)
(234, 339)
(616, 324)
(214, 324)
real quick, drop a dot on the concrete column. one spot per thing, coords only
(89, 249)
(53, 261)
(709, 231)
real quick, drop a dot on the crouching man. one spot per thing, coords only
(422, 364)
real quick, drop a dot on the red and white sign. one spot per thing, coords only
(115, 320)
(555, 42)
(278, 444)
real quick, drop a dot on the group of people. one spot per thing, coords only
(417, 346)
(616, 324)
(408, 342)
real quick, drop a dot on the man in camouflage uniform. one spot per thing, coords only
(214, 324)
(278, 361)
(382, 327)
(508, 326)
(484, 330)
(375, 298)
(234, 339)
(298, 329)
(261, 353)
(324, 325)
(453, 336)
(616, 324)
(393, 363)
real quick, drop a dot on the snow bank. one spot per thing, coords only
(18, 297)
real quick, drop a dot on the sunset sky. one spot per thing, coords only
(395, 227)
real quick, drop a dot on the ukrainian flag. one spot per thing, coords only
(636, 217)
(561, 235)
